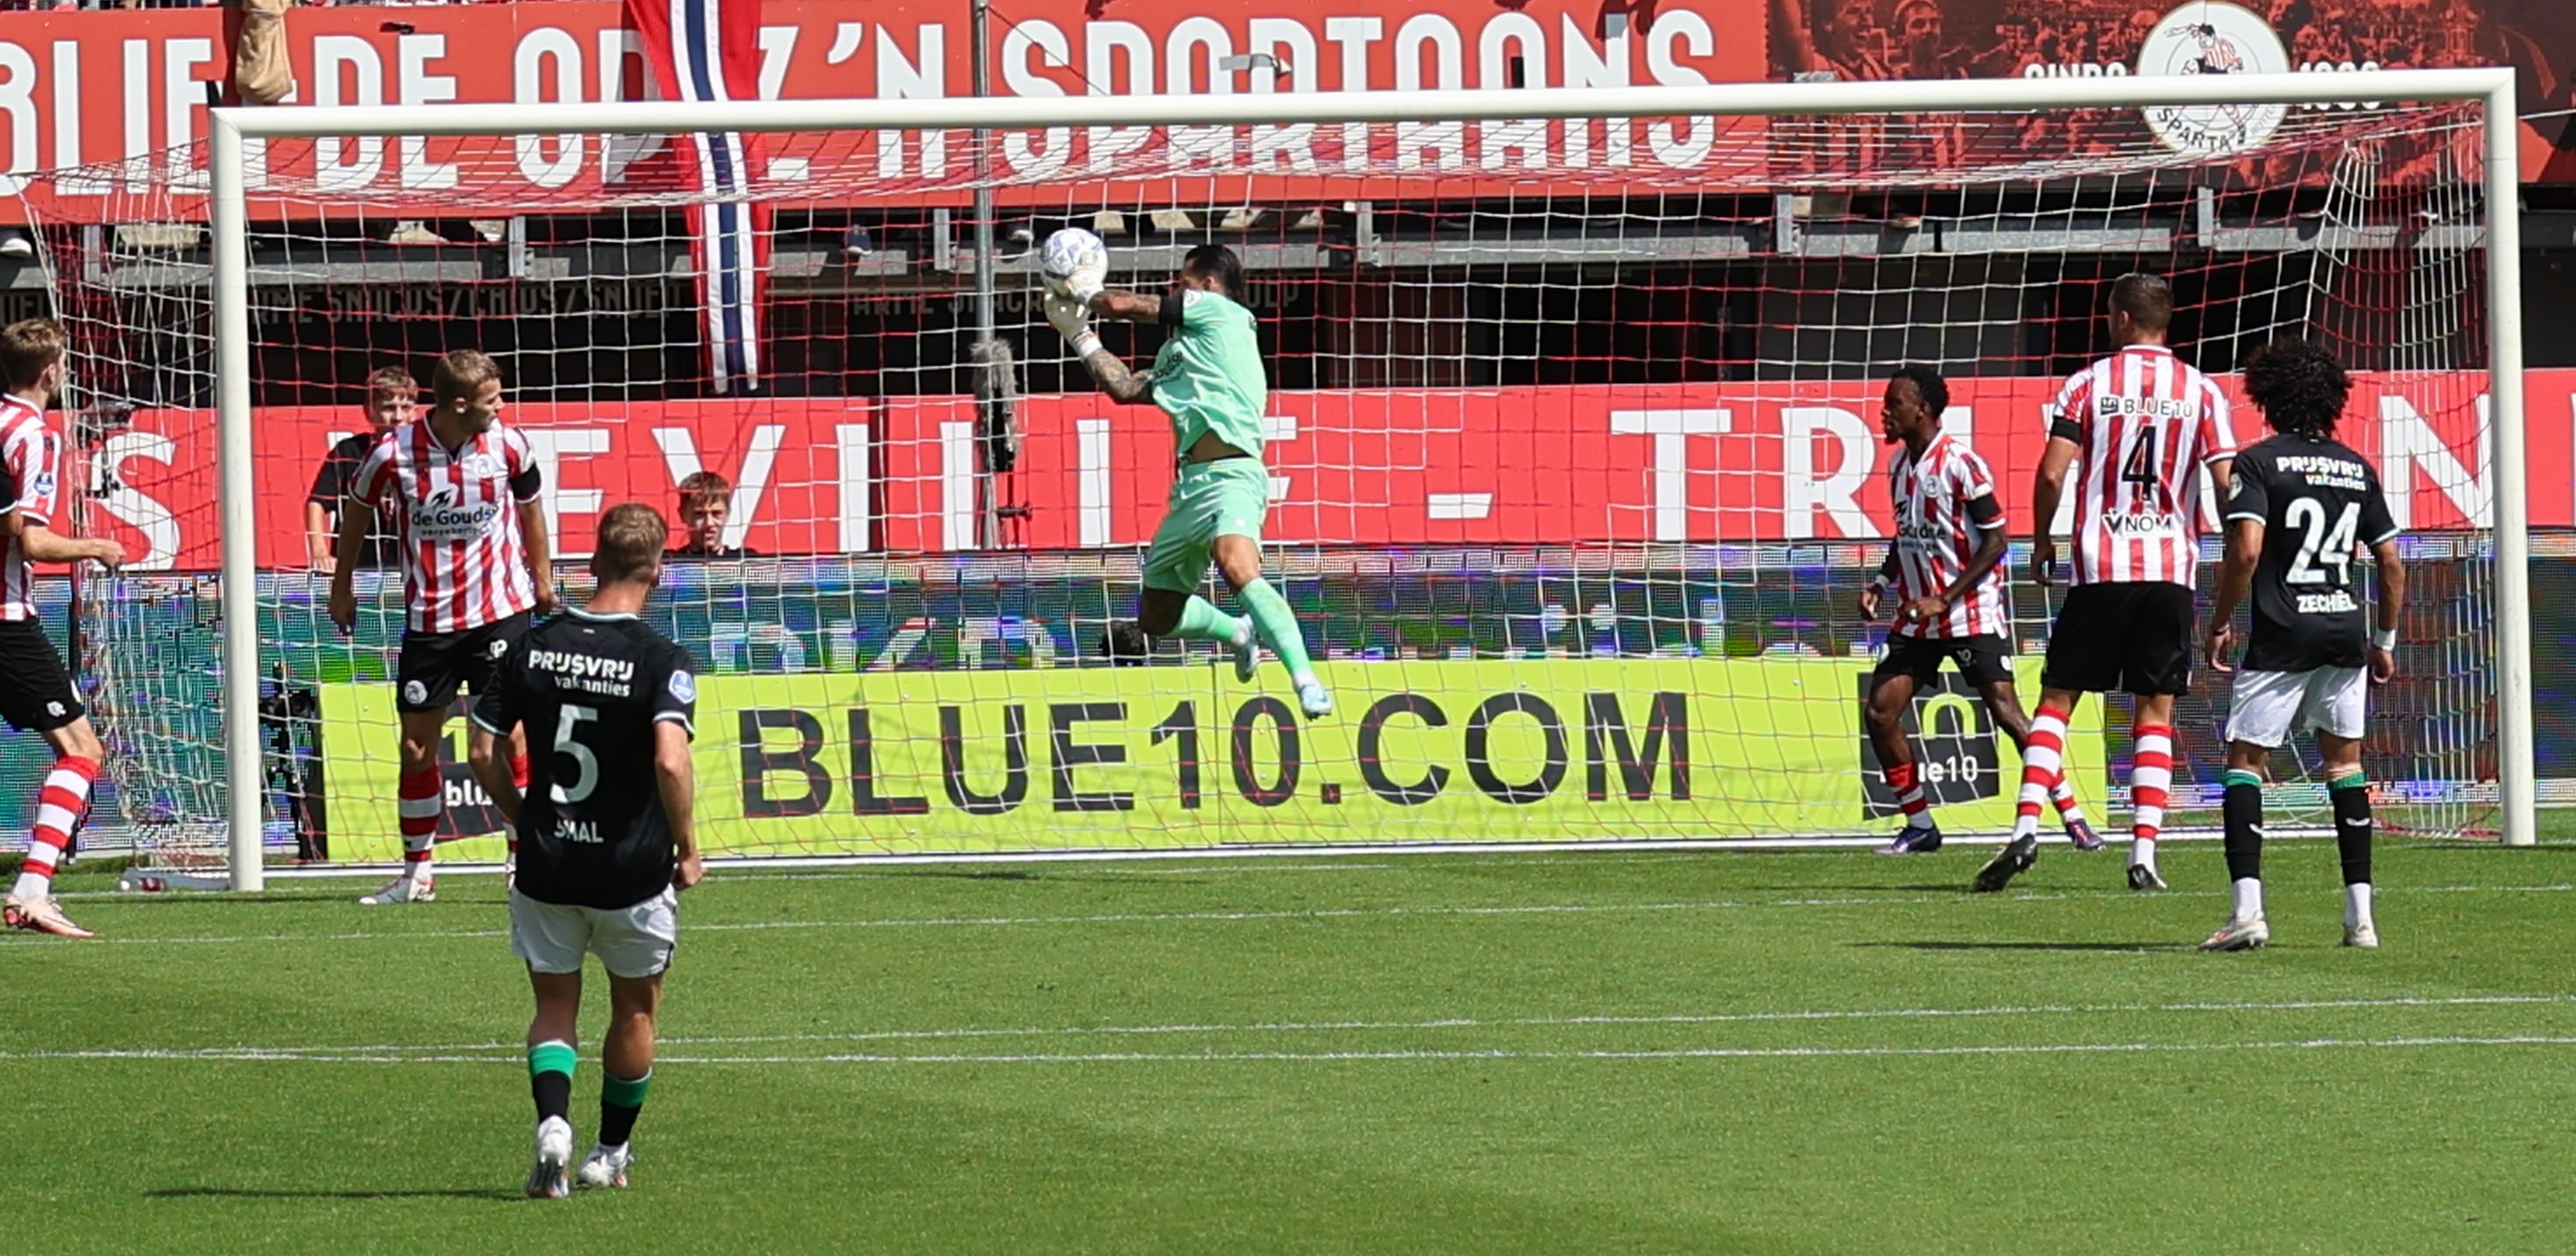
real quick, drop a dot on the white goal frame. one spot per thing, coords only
(228, 129)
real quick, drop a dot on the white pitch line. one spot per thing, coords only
(1178, 917)
(1105, 918)
(1677, 1053)
(480, 1050)
(1328, 1057)
(1709, 1018)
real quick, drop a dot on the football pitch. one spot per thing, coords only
(1654, 1051)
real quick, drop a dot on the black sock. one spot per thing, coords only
(2352, 826)
(2243, 810)
(616, 1124)
(620, 1102)
(553, 1092)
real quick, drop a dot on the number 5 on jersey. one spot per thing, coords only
(585, 764)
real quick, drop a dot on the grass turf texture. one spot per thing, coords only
(1487, 1054)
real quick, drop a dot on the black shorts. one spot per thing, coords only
(2131, 637)
(1982, 660)
(35, 692)
(434, 663)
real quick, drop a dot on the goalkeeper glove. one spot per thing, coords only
(1080, 284)
(1083, 282)
(1072, 320)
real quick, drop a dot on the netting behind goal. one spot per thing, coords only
(1573, 448)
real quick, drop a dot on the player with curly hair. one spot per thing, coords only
(2301, 505)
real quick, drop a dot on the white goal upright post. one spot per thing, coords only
(234, 132)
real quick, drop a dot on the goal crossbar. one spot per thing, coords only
(228, 209)
(1705, 100)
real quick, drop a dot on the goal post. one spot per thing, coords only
(232, 133)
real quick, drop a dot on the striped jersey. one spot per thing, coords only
(31, 457)
(1935, 536)
(2145, 422)
(464, 563)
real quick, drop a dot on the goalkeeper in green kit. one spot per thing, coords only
(1209, 379)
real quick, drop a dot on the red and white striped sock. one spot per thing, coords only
(2150, 786)
(59, 808)
(2069, 811)
(423, 802)
(2043, 760)
(1910, 798)
(518, 777)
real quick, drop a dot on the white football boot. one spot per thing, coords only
(605, 1169)
(1247, 653)
(1315, 699)
(2239, 935)
(403, 889)
(550, 1178)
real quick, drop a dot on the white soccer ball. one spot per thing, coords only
(1073, 258)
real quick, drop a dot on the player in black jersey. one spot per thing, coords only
(608, 704)
(2299, 508)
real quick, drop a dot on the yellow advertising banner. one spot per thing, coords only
(1550, 750)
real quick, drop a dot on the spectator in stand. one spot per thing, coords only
(706, 503)
(1851, 46)
(1925, 50)
(392, 399)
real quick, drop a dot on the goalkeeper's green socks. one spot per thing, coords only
(1202, 621)
(1276, 625)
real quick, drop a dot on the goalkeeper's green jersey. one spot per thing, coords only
(1208, 376)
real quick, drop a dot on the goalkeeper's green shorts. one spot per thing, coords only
(1209, 500)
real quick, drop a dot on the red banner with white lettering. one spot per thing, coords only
(1704, 463)
(87, 88)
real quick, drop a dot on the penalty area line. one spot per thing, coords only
(1398, 1055)
(1184, 917)
(510, 1051)
(1676, 1053)
(1116, 918)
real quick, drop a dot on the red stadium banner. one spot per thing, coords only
(91, 87)
(1688, 463)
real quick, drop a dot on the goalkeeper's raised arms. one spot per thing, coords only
(1071, 320)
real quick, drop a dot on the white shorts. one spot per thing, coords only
(629, 941)
(2270, 708)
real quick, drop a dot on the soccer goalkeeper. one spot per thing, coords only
(1210, 380)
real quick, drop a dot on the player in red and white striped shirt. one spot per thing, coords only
(2136, 429)
(35, 691)
(463, 491)
(1949, 600)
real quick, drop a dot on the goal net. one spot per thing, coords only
(1573, 445)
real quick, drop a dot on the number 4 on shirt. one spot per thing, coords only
(2146, 451)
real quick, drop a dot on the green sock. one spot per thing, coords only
(620, 1102)
(1202, 621)
(550, 1077)
(1276, 625)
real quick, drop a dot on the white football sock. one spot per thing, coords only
(2249, 898)
(2142, 853)
(2356, 904)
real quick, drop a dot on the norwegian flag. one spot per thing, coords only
(709, 50)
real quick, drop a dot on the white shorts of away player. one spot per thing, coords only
(2269, 708)
(629, 941)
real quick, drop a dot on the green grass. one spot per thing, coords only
(1474, 1054)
